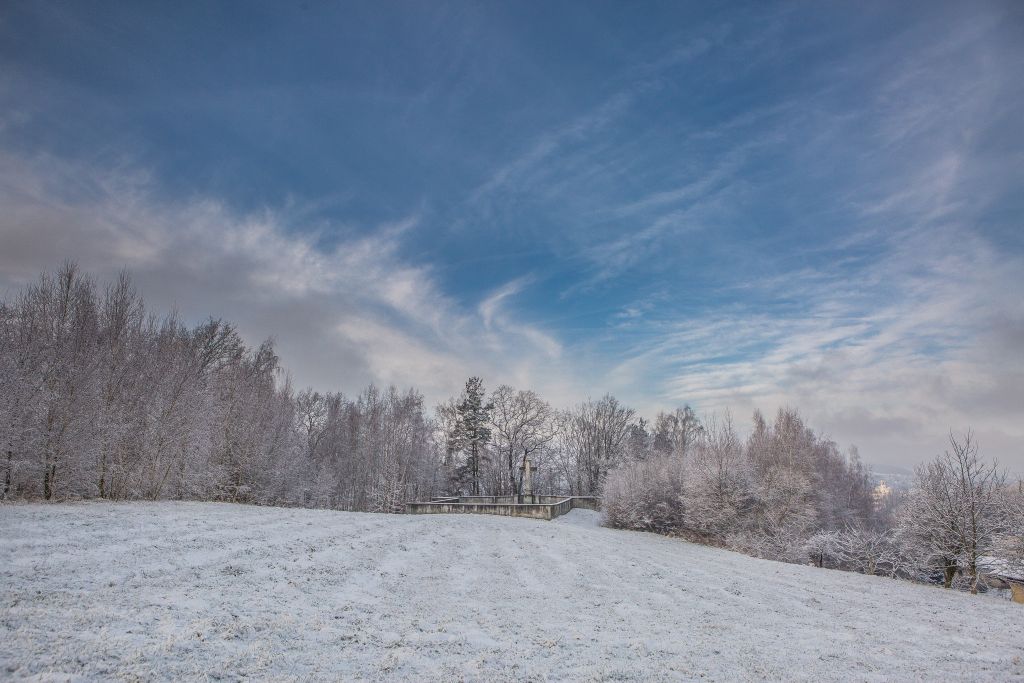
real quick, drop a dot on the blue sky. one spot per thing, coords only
(747, 205)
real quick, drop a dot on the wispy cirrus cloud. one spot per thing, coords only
(925, 339)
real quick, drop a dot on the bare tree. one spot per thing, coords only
(521, 424)
(311, 410)
(595, 435)
(856, 548)
(954, 514)
(451, 434)
(676, 433)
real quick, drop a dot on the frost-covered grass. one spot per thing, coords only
(190, 590)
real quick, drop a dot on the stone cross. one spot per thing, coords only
(527, 469)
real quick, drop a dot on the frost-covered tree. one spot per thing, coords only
(311, 411)
(1010, 543)
(521, 424)
(782, 457)
(779, 495)
(103, 398)
(955, 513)
(647, 495)
(595, 437)
(451, 436)
(639, 441)
(719, 486)
(676, 433)
(856, 547)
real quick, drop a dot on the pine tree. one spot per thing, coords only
(474, 417)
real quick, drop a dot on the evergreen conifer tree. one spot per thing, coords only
(474, 417)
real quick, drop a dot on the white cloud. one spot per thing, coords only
(342, 317)
(501, 326)
(933, 342)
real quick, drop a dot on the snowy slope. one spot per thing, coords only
(171, 590)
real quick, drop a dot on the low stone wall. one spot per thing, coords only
(503, 500)
(584, 502)
(547, 507)
(506, 509)
(561, 507)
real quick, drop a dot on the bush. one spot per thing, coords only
(646, 495)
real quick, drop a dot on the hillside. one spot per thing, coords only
(171, 590)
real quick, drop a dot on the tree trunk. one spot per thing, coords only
(949, 572)
(7, 474)
(476, 471)
(48, 456)
(972, 571)
(49, 474)
(103, 474)
(512, 473)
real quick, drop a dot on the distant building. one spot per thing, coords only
(881, 494)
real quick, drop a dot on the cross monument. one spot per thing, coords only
(527, 470)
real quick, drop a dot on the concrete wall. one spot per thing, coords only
(584, 502)
(505, 500)
(560, 508)
(547, 507)
(506, 509)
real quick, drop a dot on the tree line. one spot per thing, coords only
(104, 399)
(787, 493)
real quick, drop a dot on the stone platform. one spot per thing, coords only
(537, 507)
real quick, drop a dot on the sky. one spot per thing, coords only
(731, 206)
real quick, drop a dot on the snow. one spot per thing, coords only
(1001, 567)
(197, 590)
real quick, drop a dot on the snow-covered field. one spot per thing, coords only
(193, 590)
